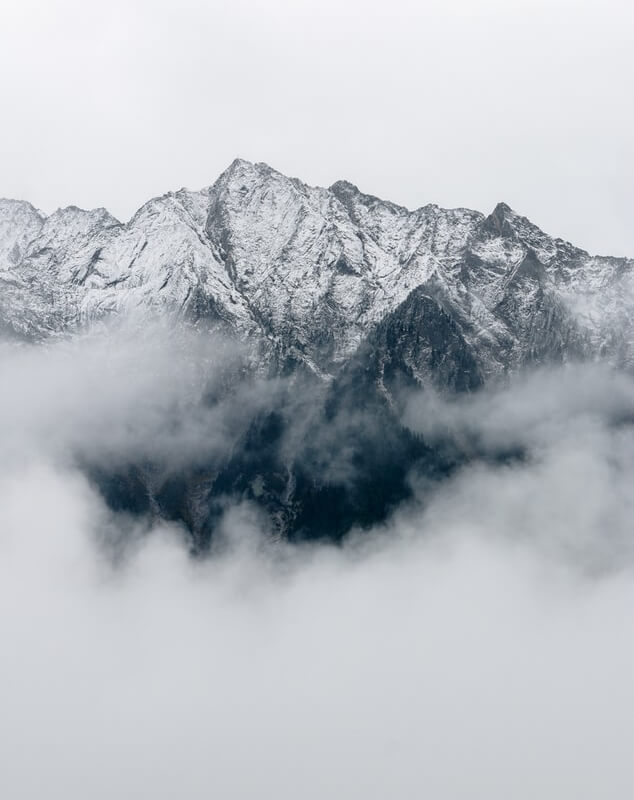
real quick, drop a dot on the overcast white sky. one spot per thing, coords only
(458, 102)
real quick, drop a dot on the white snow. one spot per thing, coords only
(311, 268)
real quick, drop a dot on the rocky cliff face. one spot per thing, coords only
(358, 296)
(311, 272)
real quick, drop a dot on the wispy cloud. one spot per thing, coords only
(477, 645)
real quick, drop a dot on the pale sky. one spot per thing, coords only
(456, 102)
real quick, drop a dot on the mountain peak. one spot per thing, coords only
(243, 173)
(348, 193)
(9, 205)
(503, 211)
(344, 187)
(239, 164)
(499, 222)
(503, 208)
(96, 216)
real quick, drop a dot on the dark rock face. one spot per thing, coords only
(420, 343)
(351, 302)
(337, 458)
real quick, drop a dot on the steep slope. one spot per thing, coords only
(347, 301)
(308, 273)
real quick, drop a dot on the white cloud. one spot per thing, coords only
(476, 647)
(128, 391)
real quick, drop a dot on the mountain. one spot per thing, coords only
(310, 272)
(357, 297)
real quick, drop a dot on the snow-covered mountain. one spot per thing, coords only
(309, 273)
(348, 301)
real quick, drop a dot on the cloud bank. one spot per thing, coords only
(476, 645)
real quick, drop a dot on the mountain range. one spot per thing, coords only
(356, 298)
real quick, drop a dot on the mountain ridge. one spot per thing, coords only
(311, 271)
(348, 302)
(339, 186)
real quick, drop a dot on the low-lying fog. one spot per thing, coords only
(477, 645)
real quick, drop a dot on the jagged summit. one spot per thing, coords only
(351, 195)
(344, 187)
(8, 203)
(308, 273)
(349, 301)
(250, 172)
(500, 214)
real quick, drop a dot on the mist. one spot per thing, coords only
(477, 644)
